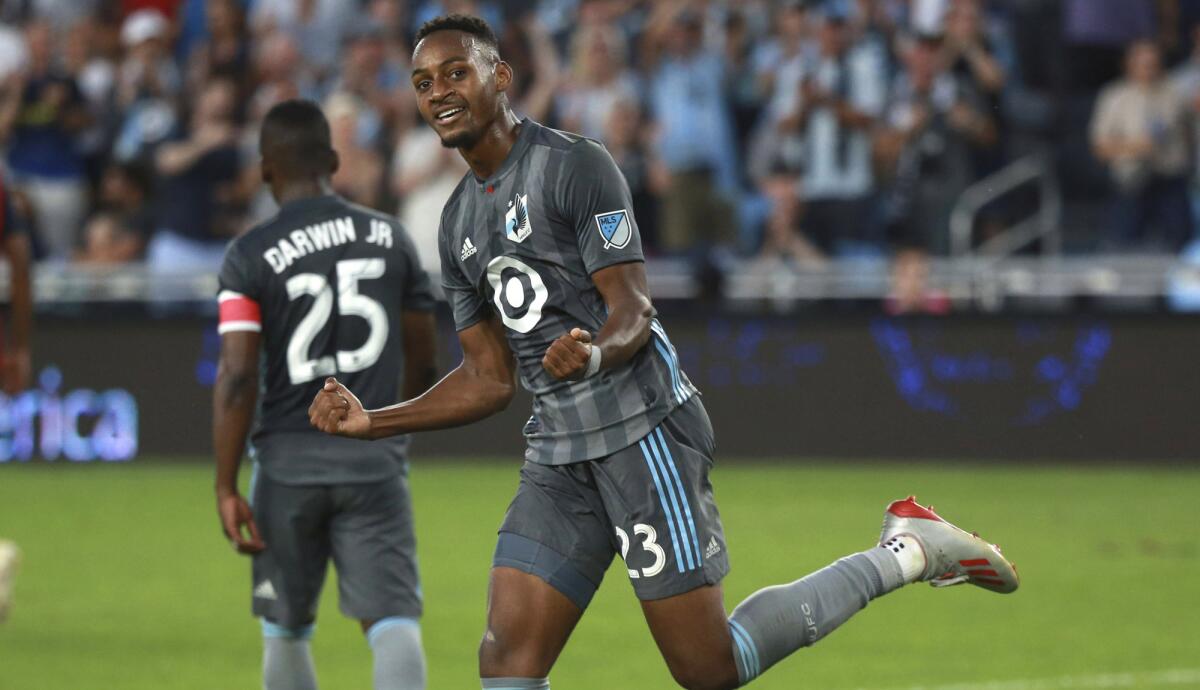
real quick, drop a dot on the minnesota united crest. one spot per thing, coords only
(516, 221)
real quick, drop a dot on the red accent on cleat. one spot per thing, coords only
(908, 508)
(992, 573)
(988, 581)
(974, 562)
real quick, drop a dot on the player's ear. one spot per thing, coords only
(335, 161)
(264, 171)
(504, 76)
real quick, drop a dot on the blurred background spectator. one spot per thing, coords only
(842, 94)
(43, 125)
(197, 170)
(686, 92)
(803, 131)
(1141, 130)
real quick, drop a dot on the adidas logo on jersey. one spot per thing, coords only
(265, 590)
(713, 548)
(468, 249)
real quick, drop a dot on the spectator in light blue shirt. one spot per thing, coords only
(687, 99)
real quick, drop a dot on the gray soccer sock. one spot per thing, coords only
(776, 621)
(287, 662)
(516, 684)
(399, 659)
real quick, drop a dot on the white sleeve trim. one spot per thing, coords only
(233, 326)
(226, 295)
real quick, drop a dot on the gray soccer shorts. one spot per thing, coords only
(652, 503)
(366, 528)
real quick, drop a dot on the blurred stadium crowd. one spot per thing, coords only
(790, 131)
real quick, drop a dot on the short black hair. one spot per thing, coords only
(465, 23)
(296, 134)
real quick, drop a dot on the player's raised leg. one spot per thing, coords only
(704, 651)
(661, 504)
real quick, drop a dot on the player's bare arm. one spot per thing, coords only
(18, 359)
(482, 385)
(234, 398)
(626, 331)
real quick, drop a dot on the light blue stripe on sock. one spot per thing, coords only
(385, 624)
(662, 498)
(683, 538)
(745, 656)
(304, 632)
(755, 666)
(687, 509)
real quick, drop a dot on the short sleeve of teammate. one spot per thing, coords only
(594, 198)
(239, 294)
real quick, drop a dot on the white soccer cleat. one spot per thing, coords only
(10, 558)
(952, 556)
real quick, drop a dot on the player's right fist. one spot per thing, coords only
(337, 411)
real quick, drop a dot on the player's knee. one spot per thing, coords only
(503, 656)
(698, 674)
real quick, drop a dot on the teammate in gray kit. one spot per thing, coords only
(542, 265)
(325, 287)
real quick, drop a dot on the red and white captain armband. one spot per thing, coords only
(237, 312)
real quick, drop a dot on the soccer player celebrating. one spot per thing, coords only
(325, 287)
(543, 269)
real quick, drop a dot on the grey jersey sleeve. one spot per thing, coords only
(238, 273)
(466, 303)
(594, 199)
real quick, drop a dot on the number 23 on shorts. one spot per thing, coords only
(649, 544)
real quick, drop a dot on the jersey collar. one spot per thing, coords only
(307, 202)
(524, 137)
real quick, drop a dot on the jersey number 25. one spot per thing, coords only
(301, 368)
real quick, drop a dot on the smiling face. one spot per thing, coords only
(459, 83)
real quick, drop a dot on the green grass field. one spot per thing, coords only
(127, 583)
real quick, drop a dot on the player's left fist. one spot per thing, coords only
(567, 358)
(337, 411)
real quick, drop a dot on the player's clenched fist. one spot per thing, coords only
(336, 410)
(572, 356)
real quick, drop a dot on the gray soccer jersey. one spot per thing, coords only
(326, 282)
(523, 244)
